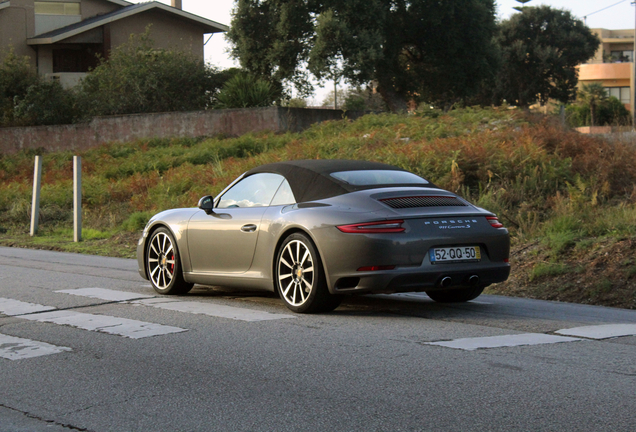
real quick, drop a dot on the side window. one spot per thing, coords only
(284, 195)
(254, 191)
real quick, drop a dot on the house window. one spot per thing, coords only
(620, 93)
(80, 59)
(622, 56)
(57, 8)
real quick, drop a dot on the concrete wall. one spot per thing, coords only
(605, 71)
(604, 129)
(163, 125)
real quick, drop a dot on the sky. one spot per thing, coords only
(618, 15)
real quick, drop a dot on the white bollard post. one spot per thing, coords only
(35, 203)
(77, 199)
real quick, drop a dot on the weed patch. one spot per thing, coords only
(548, 269)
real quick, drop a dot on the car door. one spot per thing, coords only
(224, 241)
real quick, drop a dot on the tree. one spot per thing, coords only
(272, 39)
(594, 108)
(356, 99)
(424, 50)
(592, 95)
(364, 100)
(16, 76)
(329, 99)
(540, 49)
(138, 78)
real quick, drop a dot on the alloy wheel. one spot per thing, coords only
(161, 260)
(296, 273)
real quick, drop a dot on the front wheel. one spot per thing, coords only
(163, 264)
(456, 295)
(300, 279)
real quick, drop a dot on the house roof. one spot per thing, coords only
(120, 2)
(125, 12)
(7, 3)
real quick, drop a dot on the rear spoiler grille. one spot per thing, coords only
(423, 201)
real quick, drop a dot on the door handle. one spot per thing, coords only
(248, 228)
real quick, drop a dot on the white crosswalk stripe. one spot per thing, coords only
(105, 294)
(212, 309)
(105, 324)
(101, 323)
(15, 348)
(15, 307)
(603, 331)
(202, 308)
(471, 344)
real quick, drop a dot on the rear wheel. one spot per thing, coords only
(163, 264)
(456, 295)
(300, 279)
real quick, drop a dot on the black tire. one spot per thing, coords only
(299, 277)
(163, 264)
(458, 295)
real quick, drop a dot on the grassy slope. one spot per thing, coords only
(567, 198)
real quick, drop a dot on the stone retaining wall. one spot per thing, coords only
(192, 124)
(603, 129)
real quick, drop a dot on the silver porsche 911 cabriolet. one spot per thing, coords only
(315, 230)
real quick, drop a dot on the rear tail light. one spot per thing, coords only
(494, 222)
(392, 226)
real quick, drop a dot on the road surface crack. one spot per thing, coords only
(51, 422)
(72, 308)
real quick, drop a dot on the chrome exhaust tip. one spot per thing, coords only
(445, 282)
(473, 280)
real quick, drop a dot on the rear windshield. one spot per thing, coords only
(377, 177)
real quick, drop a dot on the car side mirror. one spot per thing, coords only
(207, 204)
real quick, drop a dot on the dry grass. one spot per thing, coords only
(551, 186)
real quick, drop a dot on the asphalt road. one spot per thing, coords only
(85, 344)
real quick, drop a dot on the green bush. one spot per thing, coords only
(136, 221)
(355, 103)
(45, 103)
(609, 112)
(245, 91)
(364, 100)
(138, 78)
(295, 103)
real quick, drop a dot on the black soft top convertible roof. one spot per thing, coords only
(310, 180)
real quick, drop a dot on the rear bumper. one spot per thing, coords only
(344, 255)
(421, 279)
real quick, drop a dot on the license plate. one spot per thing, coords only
(455, 254)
